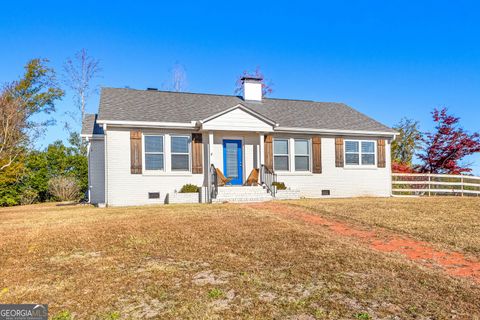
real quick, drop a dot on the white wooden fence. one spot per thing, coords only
(413, 184)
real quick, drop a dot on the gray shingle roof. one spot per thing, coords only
(165, 106)
(90, 125)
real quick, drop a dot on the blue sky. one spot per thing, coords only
(388, 59)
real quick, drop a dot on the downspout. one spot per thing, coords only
(106, 162)
(89, 145)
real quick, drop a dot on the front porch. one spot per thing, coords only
(234, 163)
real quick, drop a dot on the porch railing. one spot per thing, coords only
(268, 178)
(213, 187)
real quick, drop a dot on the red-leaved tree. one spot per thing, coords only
(267, 85)
(402, 168)
(445, 147)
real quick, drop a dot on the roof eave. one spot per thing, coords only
(150, 124)
(335, 131)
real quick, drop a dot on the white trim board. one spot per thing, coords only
(335, 131)
(242, 107)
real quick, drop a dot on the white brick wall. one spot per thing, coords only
(176, 197)
(97, 171)
(125, 188)
(341, 182)
(287, 194)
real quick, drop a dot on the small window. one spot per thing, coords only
(154, 153)
(180, 153)
(325, 192)
(154, 195)
(359, 153)
(280, 154)
(352, 153)
(302, 155)
(368, 153)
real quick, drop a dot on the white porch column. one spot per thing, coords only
(209, 157)
(262, 150)
(208, 151)
(210, 144)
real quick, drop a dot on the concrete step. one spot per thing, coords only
(239, 194)
(258, 191)
(243, 189)
(223, 198)
(241, 199)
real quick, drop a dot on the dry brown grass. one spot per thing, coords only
(210, 262)
(451, 222)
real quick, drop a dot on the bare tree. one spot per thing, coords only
(267, 84)
(79, 73)
(13, 128)
(179, 77)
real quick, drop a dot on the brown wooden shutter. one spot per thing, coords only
(135, 152)
(381, 153)
(317, 154)
(268, 149)
(197, 159)
(339, 152)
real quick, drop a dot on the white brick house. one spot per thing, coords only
(144, 145)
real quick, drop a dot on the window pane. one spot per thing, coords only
(153, 144)
(351, 146)
(280, 146)
(368, 159)
(301, 147)
(180, 144)
(368, 147)
(153, 161)
(180, 162)
(280, 163)
(231, 158)
(301, 163)
(352, 158)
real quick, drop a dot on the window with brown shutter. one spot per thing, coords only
(381, 155)
(317, 154)
(135, 152)
(339, 152)
(268, 149)
(197, 159)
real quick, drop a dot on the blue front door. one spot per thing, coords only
(232, 161)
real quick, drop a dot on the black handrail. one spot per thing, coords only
(213, 182)
(268, 178)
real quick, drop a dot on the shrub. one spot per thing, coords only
(64, 188)
(279, 185)
(29, 196)
(189, 188)
(402, 168)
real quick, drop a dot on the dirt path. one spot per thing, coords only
(453, 263)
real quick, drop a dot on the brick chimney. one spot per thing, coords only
(252, 88)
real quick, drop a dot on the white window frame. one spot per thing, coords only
(309, 155)
(360, 165)
(282, 154)
(144, 152)
(189, 153)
